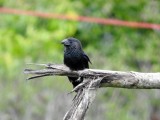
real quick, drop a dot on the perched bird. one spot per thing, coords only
(74, 57)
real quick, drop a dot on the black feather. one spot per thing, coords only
(74, 57)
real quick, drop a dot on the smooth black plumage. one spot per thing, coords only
(74, 57)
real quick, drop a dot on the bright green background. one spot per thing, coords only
(26, 39)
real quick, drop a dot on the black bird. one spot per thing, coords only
(74, 57)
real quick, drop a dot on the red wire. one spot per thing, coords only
(115, 22)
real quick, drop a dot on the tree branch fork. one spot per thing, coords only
(131, 80)
(93, 79)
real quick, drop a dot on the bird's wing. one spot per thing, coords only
(86, 57)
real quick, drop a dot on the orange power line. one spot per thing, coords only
(115, 22)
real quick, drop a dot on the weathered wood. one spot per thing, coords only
(131, 80)
(82, 100)
(93, 79)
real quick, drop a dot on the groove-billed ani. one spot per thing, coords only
(74, 57)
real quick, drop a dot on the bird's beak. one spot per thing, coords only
(65, 42)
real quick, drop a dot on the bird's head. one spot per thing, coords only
(72, 43)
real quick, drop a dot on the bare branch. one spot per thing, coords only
(130, 80)
(93, 79)
(82, 100)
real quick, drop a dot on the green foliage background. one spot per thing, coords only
(25, 39)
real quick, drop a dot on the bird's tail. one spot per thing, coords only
(74, 81)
